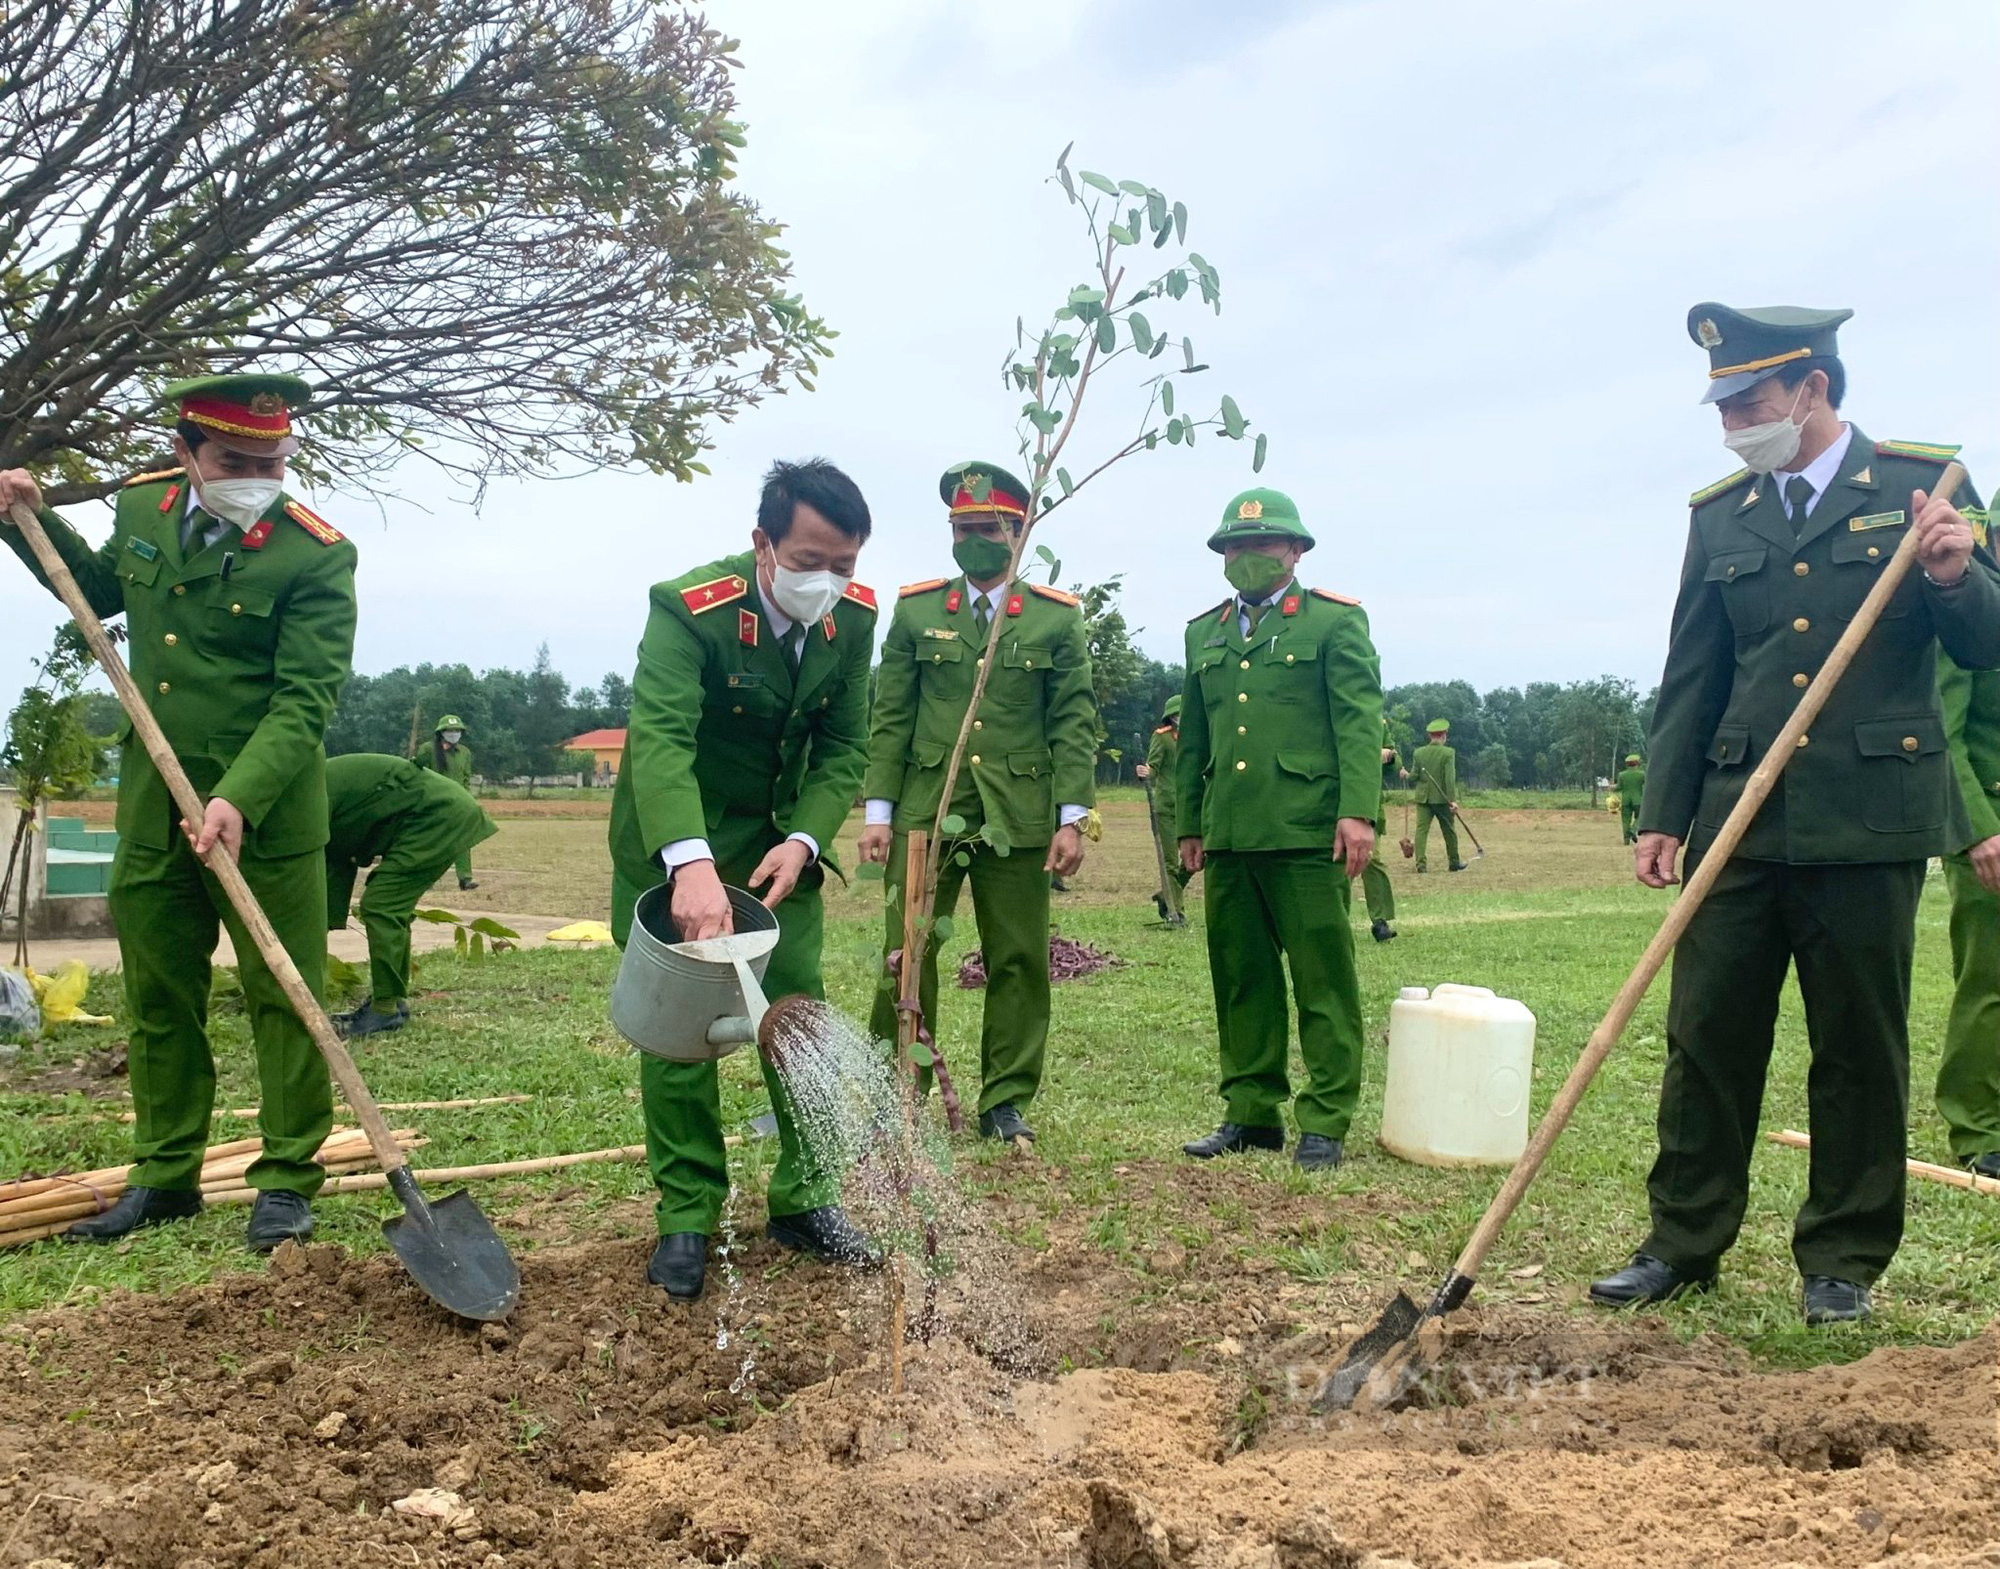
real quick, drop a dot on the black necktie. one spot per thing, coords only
(794, 642)
(1798, 496)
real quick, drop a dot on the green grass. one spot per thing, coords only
(1131, 1074)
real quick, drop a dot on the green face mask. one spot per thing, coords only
(981, 558)
(1254, 575)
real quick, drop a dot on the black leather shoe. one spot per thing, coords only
(1160, 904)
(1647, 1279)
(278, 1216)
(466, 885)
(1382, 931)
(1232, 1138)
(136, 1207)
(1317, 1152)
(679, 1263)
(1987, 1165)
(1830, 1301)
(827, 1234)
(1004, 1122)
(1458, 866)
(368, 1020)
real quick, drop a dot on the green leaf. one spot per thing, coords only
(1121, 234)
(1232, 419)
(1175, 427)
(493, 928)
(942, 927)
(1257, 456)
(1166, 397)
(870, 872)
(478, 944)
(1043, 553)
(921, 1055)
(1142, 333)
(996, 837)
(1097, 182)
(1134, 188)
(1176, 283)
(438, 917)
(962, 858)
(1187, 351)
(1152, 440)
(953, 823)
(1084, 294)
(1062, 479)
(1180, 222)
(1107, 334)
(458, 938)
(1156, 211)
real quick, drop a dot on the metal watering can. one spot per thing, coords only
(692, 1001)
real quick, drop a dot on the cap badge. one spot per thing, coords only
(1250, 511)
(267, 403)
(1708, 334)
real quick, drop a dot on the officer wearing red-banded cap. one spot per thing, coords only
(239, 604)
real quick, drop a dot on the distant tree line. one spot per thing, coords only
(1547, 735)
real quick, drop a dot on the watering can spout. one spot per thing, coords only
(730, 1032)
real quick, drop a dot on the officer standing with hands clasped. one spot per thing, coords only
(744, 748)
(1029, 773)
(1780, 556)
(1968, 1081)
(239, 606)
(1280, 787)
(1631, 790)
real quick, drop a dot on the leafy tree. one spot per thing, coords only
(503, 233)
(1492, 768)
(1596, 721)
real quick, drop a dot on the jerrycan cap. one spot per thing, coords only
(1413, 994)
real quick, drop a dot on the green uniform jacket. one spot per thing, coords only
(724, 743)
(1434, 775)
(1759, 611)
(1282, 736)
(1034, 742)
(1163, 754)
(242, 672)
(1971, 701)
(373, 800)
(457, 763)
(1631, 788)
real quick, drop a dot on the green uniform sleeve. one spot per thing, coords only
(1072, 718)
(1955, 694)
(1694, 691)
(1450, 774)
(92, 569)
(839, 752)
(660, 731)
(1163, 760)
(1353, 677)
(893, 724)
(313, 658)
(1190, 782)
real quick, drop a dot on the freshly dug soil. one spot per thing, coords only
(277, 1418)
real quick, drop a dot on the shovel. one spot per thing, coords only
(450, 1248)
(1478, 849)
(1379, 1355)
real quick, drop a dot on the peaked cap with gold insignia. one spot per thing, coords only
(1747, 346)
(247, 412)
(978, 486)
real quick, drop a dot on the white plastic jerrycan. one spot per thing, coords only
(1460, 1060)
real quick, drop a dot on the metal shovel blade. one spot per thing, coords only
(451, 1249)
(1397, 1324)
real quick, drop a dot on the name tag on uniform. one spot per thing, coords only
(749, 678)
(1874, 520)
(1218, 641)
(144, 549)
(945, 633)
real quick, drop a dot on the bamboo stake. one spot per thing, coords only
(909, 1008)
(373, 1180)
(247, 1112)
(1971, 1180)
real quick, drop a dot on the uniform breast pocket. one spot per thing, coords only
(1296, 666)
(941, 657)
(140, 571)
(746, 693)
(1904, 774)
(1211, 672)
(240, 616)
(1024, 669)
(1745, 588)
(1858, 558)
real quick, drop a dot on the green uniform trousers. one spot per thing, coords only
(1426, 812)
(1010, 904)
(1170, 846)
(462, 864)
(1375, 885)
(682, 1101)
(1851, 930)
(1628, 819)
(416, 858)
(1261, 904)
(167, 908)
(1968, 1081)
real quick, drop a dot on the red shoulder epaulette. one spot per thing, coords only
(861, 594)
(921, 588)
(1049, 591)
(719, 591)
(147, 479)
(1338, 599)
(313, 523)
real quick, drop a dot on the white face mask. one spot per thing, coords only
(238, 501)
(1768, 447)
(453, 737)
(805, 596)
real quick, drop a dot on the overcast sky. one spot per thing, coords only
(1458, 242)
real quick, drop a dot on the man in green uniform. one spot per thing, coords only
(1434, 786)
(415, 823)
(1159, 769)
(1968, 1081)
(451, 757)
(1631, 790)
(1280, 789)
(1780, 556)
(1027, 777)
(1375, 884)
(239, 608)
(746, 742)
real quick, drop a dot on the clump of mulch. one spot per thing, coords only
(1069, 960)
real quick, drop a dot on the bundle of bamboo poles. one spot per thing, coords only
(35, 1207)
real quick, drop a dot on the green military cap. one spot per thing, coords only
(978, 486)
(450, 722)
(1438, 727)
(247, 411)
(1631, 757)
(1173, 708)
(1259, 514)
(1744, 347)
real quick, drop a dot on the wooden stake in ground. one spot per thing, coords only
(1791, 1138)
(909, 1003)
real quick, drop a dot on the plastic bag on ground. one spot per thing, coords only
(61, 994)
(580, 931)
(20, 1018)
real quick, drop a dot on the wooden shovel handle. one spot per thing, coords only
(1755, 792)
(387, 1151)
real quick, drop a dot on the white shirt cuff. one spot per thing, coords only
(877, 813)
(682, 851)
(1073, 814)
(811, 844)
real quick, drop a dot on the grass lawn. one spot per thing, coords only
(1550, 916)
